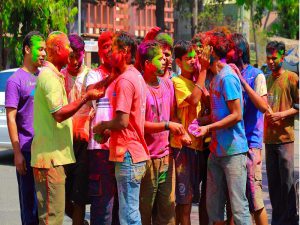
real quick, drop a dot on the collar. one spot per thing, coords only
(53, 68)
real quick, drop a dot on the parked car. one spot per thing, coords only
(4, 137)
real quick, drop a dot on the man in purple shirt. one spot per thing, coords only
(19, 110)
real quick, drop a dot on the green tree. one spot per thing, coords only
(17, 18)
(287, 24)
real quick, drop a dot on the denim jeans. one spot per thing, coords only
(280, 172)
(227, 173)
(129, 176)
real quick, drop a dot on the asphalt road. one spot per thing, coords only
(9, 200)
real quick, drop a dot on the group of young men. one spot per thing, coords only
(135, 140)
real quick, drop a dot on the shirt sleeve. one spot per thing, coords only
(231, 88)
(93, 77)
(53, 91)
(294, 84)
(181, 92)
(124, 95)
(260, 85)
(12, 94)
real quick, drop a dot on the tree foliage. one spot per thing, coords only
(22, 16)
(287, 24)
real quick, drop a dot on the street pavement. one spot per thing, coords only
(9, 200)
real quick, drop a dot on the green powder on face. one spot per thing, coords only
(191, 53)
(35, 46)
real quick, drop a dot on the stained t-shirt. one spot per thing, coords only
(226, 86)
(130, 98)
(283, 93)
(19, 94)
(76, 88)
(103, 106)
(160, 100)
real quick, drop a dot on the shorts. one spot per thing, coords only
(188, 176)
(77, 175)
(254, 191)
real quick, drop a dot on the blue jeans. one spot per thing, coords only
(280, 172)
(27, 194)
(227, 173)
(129, 176)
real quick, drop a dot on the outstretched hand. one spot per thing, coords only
(152, 33)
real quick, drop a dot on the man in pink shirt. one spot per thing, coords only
(157, 197)
(128, 147)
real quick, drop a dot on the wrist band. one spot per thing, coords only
(167, 125)
(198, 86)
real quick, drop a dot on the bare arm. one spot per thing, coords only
(69, 110)
(260, 102)
(194, 98)
(175, 128)
(19, 160)
(234, 117)
(273, 117)
(120, 122)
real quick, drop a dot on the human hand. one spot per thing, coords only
(94, 94)
(99, 128)
(186, 139)
(176, 128)
(204, 57)
(202, 131)
(20, 163)
(152, 33)
(274, 117)
(102, 138)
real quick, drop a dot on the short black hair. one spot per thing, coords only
(181, 48)
(124, 39)
(278, 46)
(27, 39)
(240, 42)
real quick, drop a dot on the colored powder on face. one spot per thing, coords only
(191, 54)
(36, 44)
(156, 61)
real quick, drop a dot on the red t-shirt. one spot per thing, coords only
(130, 98)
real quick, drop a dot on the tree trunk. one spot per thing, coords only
(160, 14)
(1, 47)
(254, 34)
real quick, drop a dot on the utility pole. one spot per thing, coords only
(79, 17)
(195, 17)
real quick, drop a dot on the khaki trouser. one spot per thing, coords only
(157, 196)
(50, 189)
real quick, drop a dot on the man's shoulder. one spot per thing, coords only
(17, 76)
(252, 70)
(292, 75)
